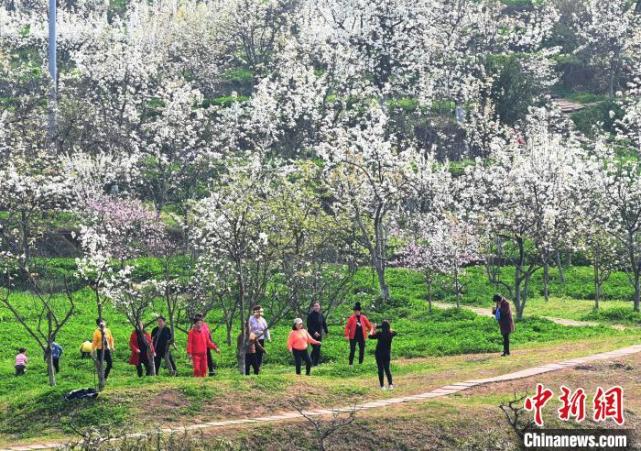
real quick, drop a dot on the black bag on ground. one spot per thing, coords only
(81, 393)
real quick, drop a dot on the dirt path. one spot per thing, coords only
(562, 321)
(436, 393)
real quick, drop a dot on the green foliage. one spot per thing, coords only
(28, 407)
(587, 97)
(618, 314)
(224, 101)
(513, 90)
(586, 119)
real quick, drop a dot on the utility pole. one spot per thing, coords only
(53, 73)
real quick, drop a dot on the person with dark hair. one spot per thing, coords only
(297, 344)
(142, 349)
(21, 362)
(316, 326)
(503, 314)
(198, 342)
(103, 344)
(211, 364)
(162, 339)
(258, 326)
(56, 353)
(383, 352)
(356, 330)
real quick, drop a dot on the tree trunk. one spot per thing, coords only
(151, 363)
(100, 360)
(546, 281)
(378, 259)
(228, 339)
(597, 284)
(51, 371)
(518, 278)
(380, 273)
(170, 367)
(429, 294)
(637, 289)
(559, 265)
(457, 289)
(241, 351)
(517, 298)
(26, 248)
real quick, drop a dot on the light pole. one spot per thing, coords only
(53, 73)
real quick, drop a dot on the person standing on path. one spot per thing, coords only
(198, 341)
(503, 314)
(317, 326)
(383, 352)
(258, 326)
(356, 331)
(162, 340)
(297, 343)
(142, 349)
(103, 344)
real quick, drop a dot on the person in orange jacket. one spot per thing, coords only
(142, 349)
(356, 331)
(297, 343)
(198, 342)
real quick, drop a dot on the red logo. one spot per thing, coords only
(609, 404)
(538, 401)
(573, 404)
(606, 404)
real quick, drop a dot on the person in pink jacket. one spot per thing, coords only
(297, 344)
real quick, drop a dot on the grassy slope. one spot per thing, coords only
(32, 409)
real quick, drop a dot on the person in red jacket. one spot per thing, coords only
(356, 331)
(142, 350)
(198, 342)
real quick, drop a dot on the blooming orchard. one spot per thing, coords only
(278, 145)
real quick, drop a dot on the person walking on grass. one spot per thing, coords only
(383, 352)
(162, 339)
(297, 343)
(103, 344)
(503, 314)
(56, 353)
(258, 326)
(142, 350)
(211, 364)
(198, 341)
(356, 331)
(317, 326)
(21, 362)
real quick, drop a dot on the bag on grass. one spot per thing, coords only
(81, 393)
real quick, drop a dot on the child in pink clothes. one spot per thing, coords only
(21, 362)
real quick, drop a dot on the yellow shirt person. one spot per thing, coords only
(97, 339)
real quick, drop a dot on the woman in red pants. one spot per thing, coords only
(198, 342)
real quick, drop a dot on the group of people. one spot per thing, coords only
(151, 349)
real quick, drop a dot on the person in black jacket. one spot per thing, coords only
(162, 339)
(384, 352)
(316, 325)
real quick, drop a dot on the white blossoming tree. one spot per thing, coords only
(526, 199)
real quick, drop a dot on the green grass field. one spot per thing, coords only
(30, 408)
